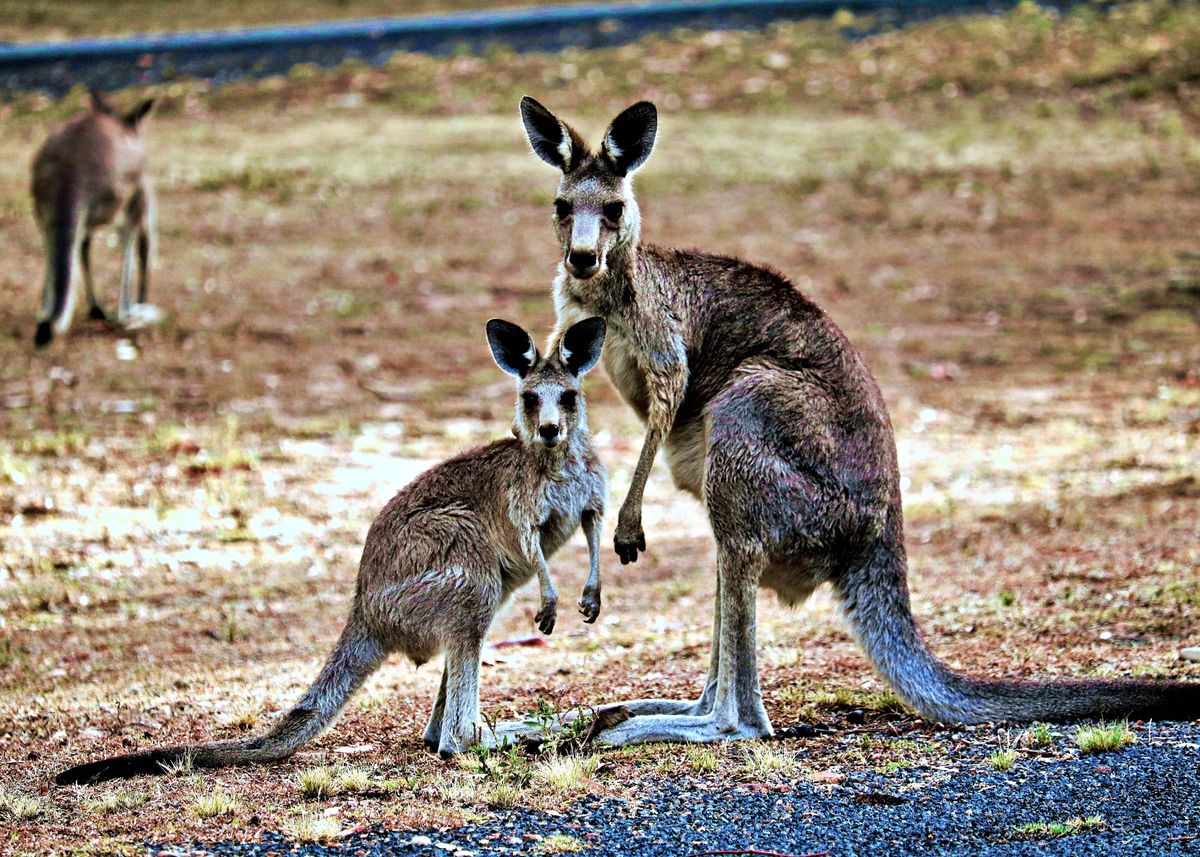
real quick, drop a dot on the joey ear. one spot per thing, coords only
(135, 116)
(512, 348)
(630, 138)
(581, 344)
(552, 140)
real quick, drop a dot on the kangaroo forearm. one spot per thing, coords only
(592, 523)
(641, 473)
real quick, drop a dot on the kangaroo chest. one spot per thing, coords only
(562, 507)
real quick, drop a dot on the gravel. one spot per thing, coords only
(1147, 794)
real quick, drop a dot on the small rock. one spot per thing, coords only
(420, 840)
(1191, 653)
(857, 716)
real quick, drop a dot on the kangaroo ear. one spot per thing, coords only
(99, 103)
(135, 116)
(512, 348)
(552, 140)
(581, 344)
(630, 137)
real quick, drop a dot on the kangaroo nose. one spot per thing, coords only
(548, 431)
(582, 260)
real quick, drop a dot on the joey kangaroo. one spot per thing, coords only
(90, 173)
(770, 417)
(444, 555)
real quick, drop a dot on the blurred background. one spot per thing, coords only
(1001, 209)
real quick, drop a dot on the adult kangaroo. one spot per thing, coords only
(91, 173)
(769, 415)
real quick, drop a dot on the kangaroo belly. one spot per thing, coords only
(794, 582)
(621, 365)
(686, 449)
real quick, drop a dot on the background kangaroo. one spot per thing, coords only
(444, 555)
(769, 415)
(90, 173)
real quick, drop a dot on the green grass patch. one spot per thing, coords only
(1104, 737)
(1056, 829)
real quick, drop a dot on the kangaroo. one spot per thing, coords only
(91, 173)
(442, 558)
(769, 415)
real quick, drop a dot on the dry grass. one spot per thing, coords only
(307, 827)
(116, 800)
(565, 774)
(1008, 259)
(16, 807)
(764, 761)
(216, 804)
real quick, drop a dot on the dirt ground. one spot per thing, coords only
(181, 513)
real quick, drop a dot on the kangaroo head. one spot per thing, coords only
(549, 399)
(594, 210)
(132, 120)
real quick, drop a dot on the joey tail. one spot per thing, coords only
(356, 655)
(874, 596)
(62, 252)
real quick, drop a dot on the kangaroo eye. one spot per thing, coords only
(567, 400)
(613, 211)
(562, 208)
(529, 400)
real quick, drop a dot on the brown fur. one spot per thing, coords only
(91, 173)
(770, 416)
(442, 558)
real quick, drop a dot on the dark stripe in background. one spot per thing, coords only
(227, 55)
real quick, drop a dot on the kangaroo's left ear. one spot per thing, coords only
(135, 116)
(630, 138)
(512, 348)
(581, 344)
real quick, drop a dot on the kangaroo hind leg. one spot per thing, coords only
(460, 717)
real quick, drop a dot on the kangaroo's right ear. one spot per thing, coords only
(552, 140)
(135, 116)
(581, 344)
(512, 348)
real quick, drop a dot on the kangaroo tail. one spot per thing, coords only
(874, 597)
(56, 302)
(356, 656)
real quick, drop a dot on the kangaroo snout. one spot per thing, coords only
(548, 432)
(582, 263)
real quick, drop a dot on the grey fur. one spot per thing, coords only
(91, 173)
(441, 559)
(770, 417)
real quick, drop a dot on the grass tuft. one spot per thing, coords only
(766, 761)
(215, 804)
(185, 764)
(1037, 736)
(18, 807)
(328, 780)
(560, 843)
(117, 800)
(1104, 737)
(309, 828)
(1057, 829)
(702, 758)
(1003, 760)
(565, 773)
